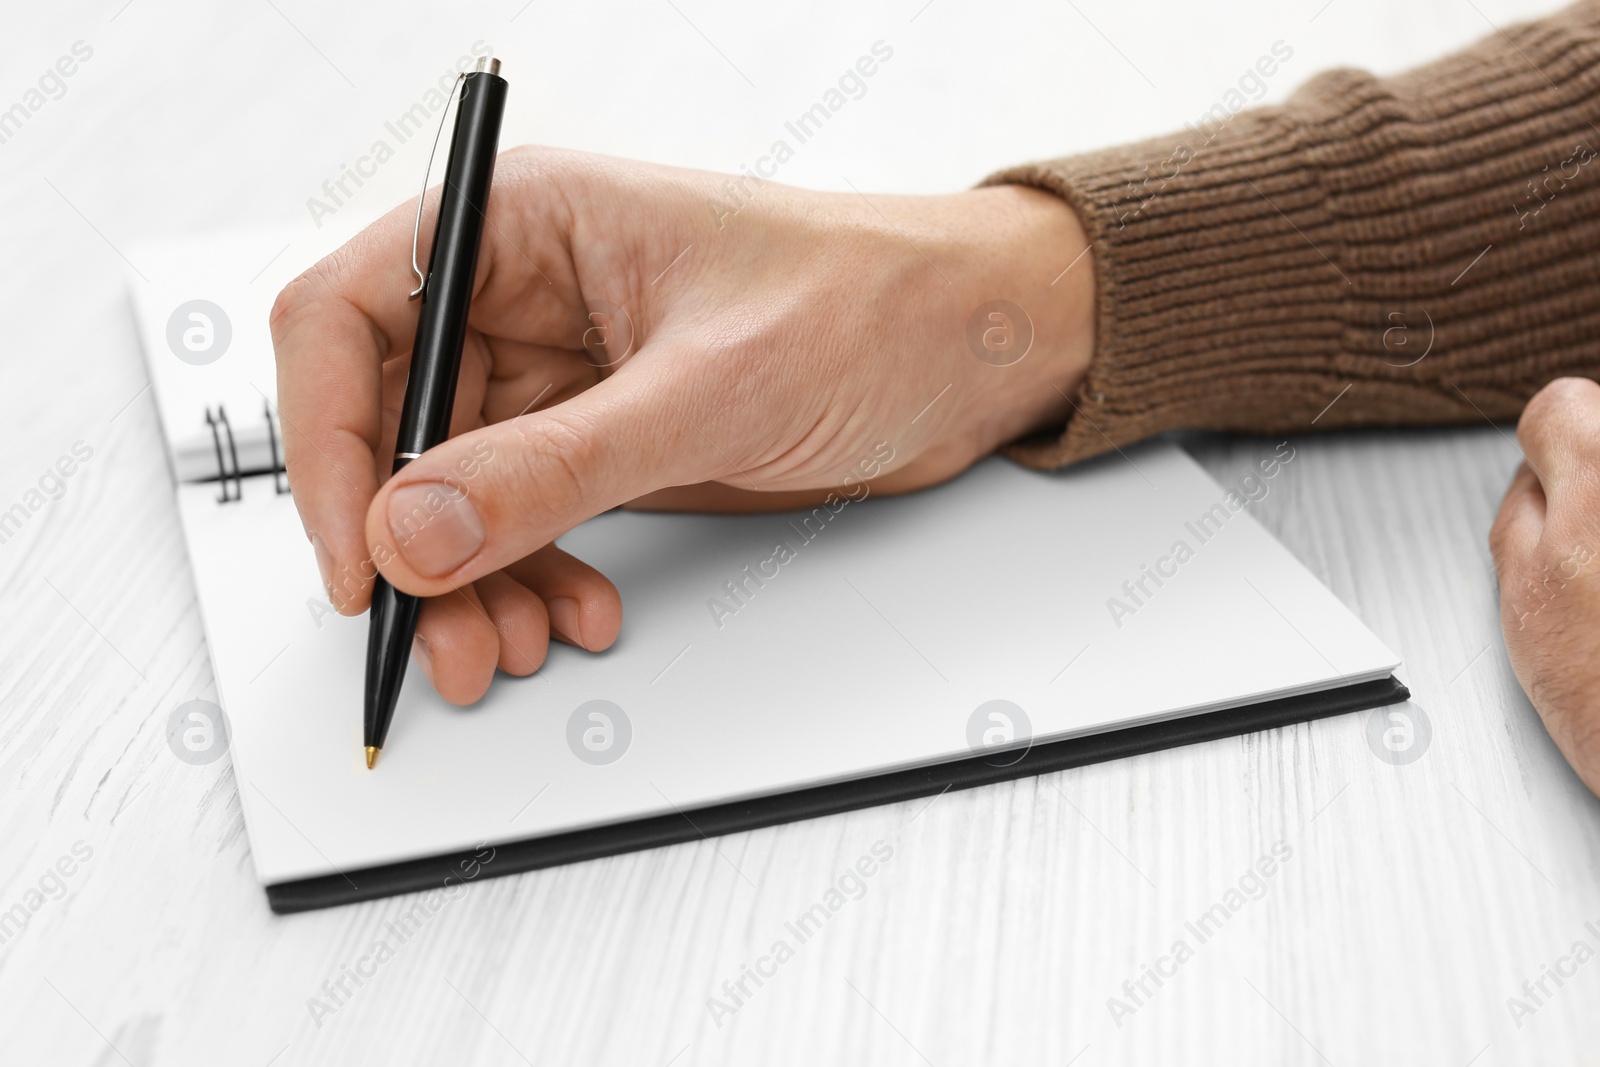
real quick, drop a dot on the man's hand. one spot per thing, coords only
(1546, 545)
(665, 338)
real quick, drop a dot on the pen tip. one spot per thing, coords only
(372, 756)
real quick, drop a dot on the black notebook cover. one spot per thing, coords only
(435, 872)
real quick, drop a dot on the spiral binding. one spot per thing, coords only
(222, 430)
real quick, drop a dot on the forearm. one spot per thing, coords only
(1253, 270)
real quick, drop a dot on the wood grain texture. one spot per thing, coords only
(1416, 900)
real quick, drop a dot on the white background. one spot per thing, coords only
(1419, 897)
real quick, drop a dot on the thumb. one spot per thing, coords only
(485, 499)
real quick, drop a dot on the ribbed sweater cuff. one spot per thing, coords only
(1252, 272)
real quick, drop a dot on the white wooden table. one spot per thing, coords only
(1417, 899)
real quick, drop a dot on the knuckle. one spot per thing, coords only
(1499, 533)
(294, 298)
(1571, 390)
(557, 463)
(287, 304)
(1558, 400)
(533, 164)
(527, 156)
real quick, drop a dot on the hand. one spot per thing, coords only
(668, 338)
(1546, 545)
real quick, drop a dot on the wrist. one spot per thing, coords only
(1031, 325)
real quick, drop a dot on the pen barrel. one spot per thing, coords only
(452, 265)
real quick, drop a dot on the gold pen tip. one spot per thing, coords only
(372, 756)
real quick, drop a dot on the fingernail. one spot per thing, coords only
(564, 615)
(423, 655)
(435, 529)
(324, 564)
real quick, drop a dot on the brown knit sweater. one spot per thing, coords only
(1257, 269)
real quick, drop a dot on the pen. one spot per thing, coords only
(446, 293)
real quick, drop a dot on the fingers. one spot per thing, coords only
(329, 382)
(456, 646)
(334, 327)
(519, 620)
(483, 500)
(502, 620)
(524, 286)
(584, 608)
(1560, 434)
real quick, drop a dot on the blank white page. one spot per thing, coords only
(868, 650)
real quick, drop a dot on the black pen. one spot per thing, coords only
(446, 293)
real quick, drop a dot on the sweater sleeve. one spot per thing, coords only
(1416, 249)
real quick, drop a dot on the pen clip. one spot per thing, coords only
(416, 226)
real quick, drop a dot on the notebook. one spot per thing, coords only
(770, 667)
